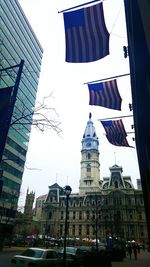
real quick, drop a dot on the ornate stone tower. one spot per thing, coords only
(90, 174)
(28, 208)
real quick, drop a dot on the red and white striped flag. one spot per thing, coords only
(105, 94)
(115, 132)
(87, 38)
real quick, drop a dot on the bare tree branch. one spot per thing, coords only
(42, 117)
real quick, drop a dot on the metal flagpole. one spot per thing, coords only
(118, 76)
(79, 6)
(115, 117)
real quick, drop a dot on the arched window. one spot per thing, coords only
(88, 168)
(88, 156)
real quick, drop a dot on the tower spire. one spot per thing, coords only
(90, 174)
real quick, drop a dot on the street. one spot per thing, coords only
(143, 259)
(5, 258)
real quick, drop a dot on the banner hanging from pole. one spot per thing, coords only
(105, 94)
(115, 132)
(86, 35)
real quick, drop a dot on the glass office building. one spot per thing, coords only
(17, 42)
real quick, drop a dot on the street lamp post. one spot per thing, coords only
(96, 226)
(67, 191)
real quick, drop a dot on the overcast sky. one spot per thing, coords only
(54, 158)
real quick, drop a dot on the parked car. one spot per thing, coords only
(37, 257)
(90, 256)
(69, 251)
(73, 256)
(116, 253)
(82, 250)
(91, 249)
(101, 247)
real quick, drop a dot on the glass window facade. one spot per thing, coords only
(18, 42)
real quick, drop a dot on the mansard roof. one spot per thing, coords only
(55, 186)
(116, 179)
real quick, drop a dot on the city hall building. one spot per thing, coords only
(107, 207)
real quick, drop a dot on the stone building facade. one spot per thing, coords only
(103, 207)
(38, 207)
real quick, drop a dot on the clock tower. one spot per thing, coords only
(90, 173)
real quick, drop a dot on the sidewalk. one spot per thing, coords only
(143, 260)
(13, 249)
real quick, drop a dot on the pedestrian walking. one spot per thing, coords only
(135, 251)
(130, 251)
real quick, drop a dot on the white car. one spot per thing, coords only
(38, 257)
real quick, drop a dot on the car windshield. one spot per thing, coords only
(70, 249)
(33, 253)
(85, 248)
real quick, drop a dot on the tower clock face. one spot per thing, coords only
(88, 144)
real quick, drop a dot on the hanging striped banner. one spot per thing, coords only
(115, 132)
(87, 38)
(105, 94)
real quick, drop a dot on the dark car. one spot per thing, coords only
(90, 256)
(74, 257)
(84, 249)
(69, 251)
(117, 253)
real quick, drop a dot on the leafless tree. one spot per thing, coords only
(42, 116)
